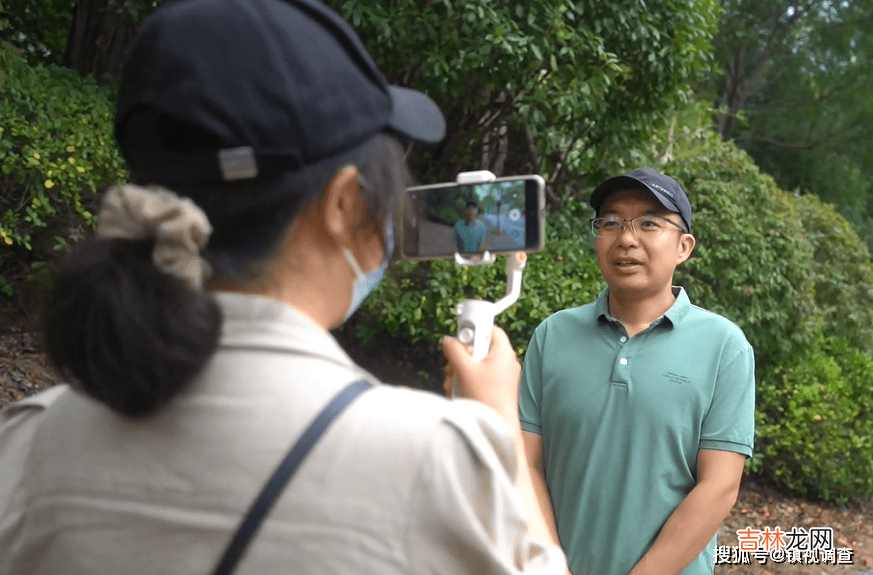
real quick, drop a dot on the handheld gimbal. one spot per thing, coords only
(476, 317)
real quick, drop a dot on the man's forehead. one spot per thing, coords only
(633, 196)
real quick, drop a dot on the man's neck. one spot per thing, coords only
(636, 313)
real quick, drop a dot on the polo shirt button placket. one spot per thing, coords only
(621, 370)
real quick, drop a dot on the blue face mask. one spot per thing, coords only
(365, 283)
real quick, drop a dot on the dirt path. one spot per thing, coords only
(24, 371)
(759, 508)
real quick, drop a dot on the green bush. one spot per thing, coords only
(416, 302)
(56, 153)
(753, 262)
(842, 270)
(815, 423)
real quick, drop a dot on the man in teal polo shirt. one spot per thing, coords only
(638, 408)
(470, 232)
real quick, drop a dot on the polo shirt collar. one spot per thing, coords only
(680, 307)
(674, 315)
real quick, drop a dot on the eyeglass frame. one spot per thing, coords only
(594, 231)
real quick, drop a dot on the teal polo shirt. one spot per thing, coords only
(472, 235)
(622, 420)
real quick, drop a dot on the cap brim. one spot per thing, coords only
(627, 183)
(416, 116)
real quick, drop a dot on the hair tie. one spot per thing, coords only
(178, 226)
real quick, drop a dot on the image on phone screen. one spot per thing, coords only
(498, 216)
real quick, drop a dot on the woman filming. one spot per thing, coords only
(194, 332)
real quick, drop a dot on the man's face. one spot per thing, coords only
(638, 263)
(471, 213)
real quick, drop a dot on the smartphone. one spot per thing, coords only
(504, 215)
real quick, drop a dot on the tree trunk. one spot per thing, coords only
(100, 34)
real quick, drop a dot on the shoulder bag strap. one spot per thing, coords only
(283, 473)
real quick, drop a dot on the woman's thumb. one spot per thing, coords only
(452, 349)
(499, 336)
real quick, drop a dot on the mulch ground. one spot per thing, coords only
(24, 371)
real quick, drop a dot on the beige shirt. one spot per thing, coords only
(403, 482)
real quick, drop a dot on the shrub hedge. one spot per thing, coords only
(842, 271)
(56, 154)
(814, 430)
(753, 262)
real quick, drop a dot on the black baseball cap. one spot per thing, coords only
(285, 83)
(666, 190)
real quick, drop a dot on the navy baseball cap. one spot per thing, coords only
(666, 190)
(284, 83)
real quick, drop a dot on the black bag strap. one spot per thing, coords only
(283, 473)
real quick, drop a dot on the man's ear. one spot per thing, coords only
(340, 205)
(686, 246)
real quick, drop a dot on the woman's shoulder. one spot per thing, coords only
(415, 407)
(419, 420)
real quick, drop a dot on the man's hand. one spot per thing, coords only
(692, 525)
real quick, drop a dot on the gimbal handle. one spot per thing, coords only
(476, 317)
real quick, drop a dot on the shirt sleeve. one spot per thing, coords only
(466, 516)
(530, 391)
(18, 424)
(730, 423)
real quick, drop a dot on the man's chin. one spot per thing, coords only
(629, 285)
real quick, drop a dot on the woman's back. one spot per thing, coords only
(403, 482)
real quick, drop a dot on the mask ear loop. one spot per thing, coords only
(353, 263)
(359, 273)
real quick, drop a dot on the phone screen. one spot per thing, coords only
(505, 215)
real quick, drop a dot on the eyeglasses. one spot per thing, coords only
(649, 225)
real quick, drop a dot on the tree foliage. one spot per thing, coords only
(89, 36)
(792, 90)
(768, 49)
(558, 87)
(39, 28)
